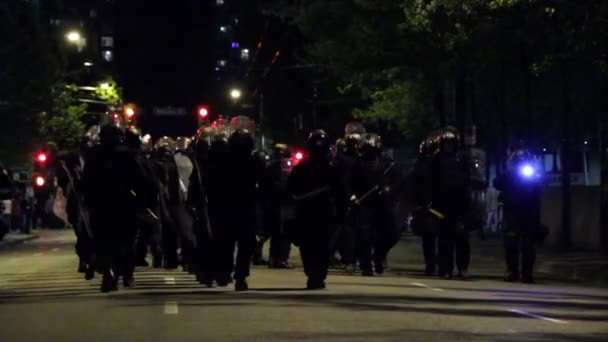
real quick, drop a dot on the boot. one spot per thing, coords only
(109, 282)
(241, 285)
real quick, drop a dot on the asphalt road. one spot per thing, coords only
(42, 298)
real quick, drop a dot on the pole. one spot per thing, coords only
(262, 120)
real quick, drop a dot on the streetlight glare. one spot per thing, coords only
(73, 36)
(104, 86)
(235, 94)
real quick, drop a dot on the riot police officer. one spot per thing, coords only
(273, 201)
(108, 178)
(521, 187)
(245, 176)
(423, 222)
(377, 188)
(198, 202)
(450, 204)
(145, 217)
(220, 255)
(347, 153)
(166, 171)
(183, 160)
(319, 198)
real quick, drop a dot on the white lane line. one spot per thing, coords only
(56, 249)
(532, 315)
(427, 287)
(171, 308)
(169, 280)
(38, 254)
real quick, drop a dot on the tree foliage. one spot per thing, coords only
(417, 63)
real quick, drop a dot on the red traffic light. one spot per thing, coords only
(41, 157)
(203, 112)
(299, 155)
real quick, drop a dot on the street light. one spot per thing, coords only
(73, 37)
(235, 94)
(105, 85)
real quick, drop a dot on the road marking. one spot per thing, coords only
(38, 254)
(56, 249)
(532, 315)
(171, 308)
(427, 287)
(169, 280)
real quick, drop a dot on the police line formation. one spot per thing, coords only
(209, 203)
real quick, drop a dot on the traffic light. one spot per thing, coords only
(42, 166)
(41, 157)
(203, 112)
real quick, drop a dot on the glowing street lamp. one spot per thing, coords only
(73, 37)
(104, 86)
(235, 94)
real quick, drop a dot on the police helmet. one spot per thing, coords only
(220, 131)
(520, 155)
(371, 146)
(111, 135)
(354, 127)
(242, 125)
(165, 145)
(182, 143)
(202, 139)
(133, 138)
(449, 140)
(318, 143)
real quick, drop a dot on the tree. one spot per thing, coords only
(62, 124)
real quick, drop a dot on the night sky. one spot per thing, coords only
(164, 56)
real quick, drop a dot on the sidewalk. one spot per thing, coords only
(487, 261)
(15, 238)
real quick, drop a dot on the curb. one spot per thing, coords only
(12, 243)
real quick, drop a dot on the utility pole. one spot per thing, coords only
(262, 120)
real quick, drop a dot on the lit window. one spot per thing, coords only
(107, 55)
(107, 41)
(235, 45)
(245, 54)
(219, 2)
(221, 62)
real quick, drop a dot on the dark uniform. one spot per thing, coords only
(198, 202)
(245, 176)
(377, 185)
(166, 171)
(218, 177)
(347, 153)
(319, 200)
(450, 199)
(423, 222)
(110, 175)
(274, 196)
(520, 187)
